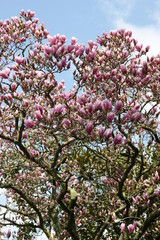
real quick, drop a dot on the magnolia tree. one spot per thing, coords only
(82, 163)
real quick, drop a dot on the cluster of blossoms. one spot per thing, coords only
(62, 152)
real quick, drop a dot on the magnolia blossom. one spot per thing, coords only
(122, 227)
(117, 139)
(101, 131)
(20, 60)
(157, 175)
(8, 96)
(110, 116)
(108, 133)
(106, 105)
(13, 86)
(89, 127)
(118, 105)
(5, 73)
(38, 115)
(136, 116)
(131, 228)
(29, 123)
(58, 108)
(66, 122)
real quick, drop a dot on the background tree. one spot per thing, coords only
(83, 163)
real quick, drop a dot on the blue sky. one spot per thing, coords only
(86, 19)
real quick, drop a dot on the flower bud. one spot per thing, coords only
(58, 108)
(157, 175)
(108, 133)
(8, 96)
(29, 123)
(122, 227)
(118, 105)
(114, 71)
(110, 116)
(123, 69)
(38, 115)
(101, 131)
(131, 228)
(136, 116)
(5, 73)
(106, 105)
(89, 127)
(117, 139)
(95, 69)
(13, 86)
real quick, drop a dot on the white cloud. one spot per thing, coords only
(116, 8)
(148, 35)
(118, 12)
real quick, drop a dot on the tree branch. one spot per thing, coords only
(31, 204)
(151, 218)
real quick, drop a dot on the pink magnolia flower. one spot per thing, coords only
(114, 72)
(125, 54)
(24, 135)
(66, 122)
(70, 48)
(117, 139)
(157, 175)
(126, 117)
(89, 127)
(148, 202)
(38, 115)
(104, 179)
(122, 227)
(8, 96)
(29, 123)
(131, 228)
(73, 41)
(110, 116)
(108, 133)
(108, 53)
(63, 38)
(90, 107)
(63, 62)
(20, 60)
(118, 105)
(5, 73)
(13, 86)
(6, 37)
(59, 65)
(81, 100)
(106, 105)
(26, 103)
(97, 105)
(123, 69)
(147, 48)
(40, 108)
(136, 116)
(113, 216)
(107, 76)
(58, 108)
(157, 192)
(51, 40)
(30, 13)
(101, 131)
(95, 69)
(47, 49)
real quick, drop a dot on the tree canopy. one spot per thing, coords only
(81, 163)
